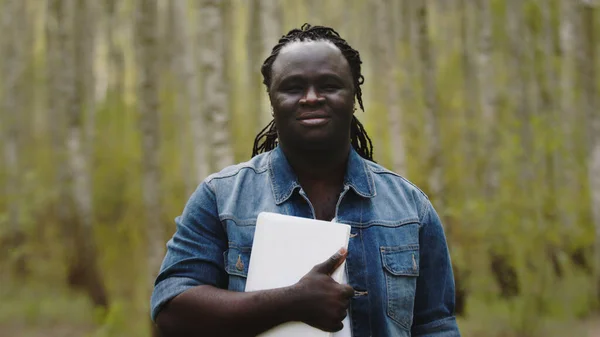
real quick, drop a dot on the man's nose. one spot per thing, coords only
(312, 97)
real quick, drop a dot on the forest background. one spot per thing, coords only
(113, 111)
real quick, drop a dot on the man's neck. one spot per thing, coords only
(318, 167)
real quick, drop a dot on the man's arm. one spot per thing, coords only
(434, 300)
(189, 297)
(316, 300)
(210, 311)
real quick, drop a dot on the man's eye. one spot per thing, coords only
(293, 88)
(331, 87)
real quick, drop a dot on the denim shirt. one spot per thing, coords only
(398, 261)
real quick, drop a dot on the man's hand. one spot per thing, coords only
(323, 303)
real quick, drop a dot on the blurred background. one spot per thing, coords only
(113, 111)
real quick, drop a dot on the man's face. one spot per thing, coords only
(312, 95)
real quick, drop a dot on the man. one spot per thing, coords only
(314, 160)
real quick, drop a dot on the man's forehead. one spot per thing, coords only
(299, 52)
(309, 47)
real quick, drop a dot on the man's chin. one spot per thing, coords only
(319, 144)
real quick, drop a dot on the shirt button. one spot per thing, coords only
(239, 265)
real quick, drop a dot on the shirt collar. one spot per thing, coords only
(284, 180)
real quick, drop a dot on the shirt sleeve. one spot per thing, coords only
(195, 252)
(435, 299)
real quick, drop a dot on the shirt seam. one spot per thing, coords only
(257, 170)
(433, 324)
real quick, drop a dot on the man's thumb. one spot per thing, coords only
(331, 264)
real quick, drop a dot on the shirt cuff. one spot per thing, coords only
(166, 290)
(445, 327)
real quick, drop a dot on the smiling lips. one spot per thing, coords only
(313, 119)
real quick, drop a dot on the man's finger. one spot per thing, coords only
(348, 291)
(331, 264)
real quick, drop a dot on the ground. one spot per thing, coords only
(45, 311)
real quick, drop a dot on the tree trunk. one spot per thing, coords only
(432, 129)
(588, 59)
(214, 86)
(56, 92)
(116, 59)
(519, 82)
(147, 54)
(387, 42)
(271, 31)
(65, 75)
(89, 25)
(84, 270)
(487, 95)
(409, 47)
(470, 88)
(256, 90)
(13, 66)
(190, 105)
(568, 106)
(376, 92)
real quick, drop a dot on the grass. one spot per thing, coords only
(36, 309)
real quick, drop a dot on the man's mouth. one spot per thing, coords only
(314, 121)
(315, 118)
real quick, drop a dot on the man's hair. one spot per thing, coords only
(266, 139)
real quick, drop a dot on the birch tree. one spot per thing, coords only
(387, 43)
(567, 70)
(487, 93)
(432, 128)
(214, 86)
(567, 104)
(57, 88)
(13, 64)
(409, 48)
(588, 68)
(519, 82)
(271, 31)
(116, 66)
(78, 65)
(191, 114)
(148, 106)
(65, 105)
(470, 89)
(256, 90)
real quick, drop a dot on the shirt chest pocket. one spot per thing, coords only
(401, 268)
(237, 260)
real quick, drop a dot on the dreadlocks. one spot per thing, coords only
(266, 139)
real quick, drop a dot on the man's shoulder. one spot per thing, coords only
(390, 179)
(256, 165)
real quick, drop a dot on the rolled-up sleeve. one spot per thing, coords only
(435, 297)
(195, 252)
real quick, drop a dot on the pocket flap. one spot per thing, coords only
(237, 261)
(401, 260)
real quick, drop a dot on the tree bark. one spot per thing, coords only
(387, 45)
(588, 59)
(191, 114)
(432, 129)
(13, 66)
(214, 86)
(84, 269)
(271, 31)
(519, 66)
(567, 104)
(256, 90)
(471, 122)
(56, 89)
(487, 95)
(116, 59)
(147, 54)
(567, 47)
